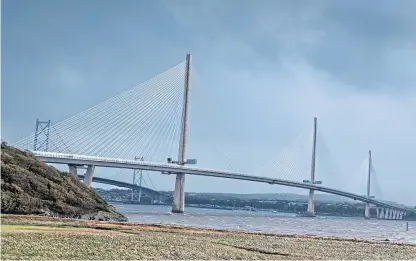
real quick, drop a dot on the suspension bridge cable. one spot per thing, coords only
(203, 102)
(57, 133)
(149, 108)
(156, 130)
(145, 111)
(282, 165)
(144, 130)
(151, 130)
(323, 150)
(379, 192)
(89, 114)
(358, 186)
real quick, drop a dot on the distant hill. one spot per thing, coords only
(325, 198)
(29, 186)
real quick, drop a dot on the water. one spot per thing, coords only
(279, 223)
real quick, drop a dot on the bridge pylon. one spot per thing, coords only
(367, 205)
(311, 201)
(140, 176)
(42, 127)
(178, 205)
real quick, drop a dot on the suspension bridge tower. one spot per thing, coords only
(311, 199)
(367, 205)
(178, 205)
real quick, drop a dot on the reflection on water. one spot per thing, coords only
(282, 223)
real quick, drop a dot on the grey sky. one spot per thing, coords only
(277, 63)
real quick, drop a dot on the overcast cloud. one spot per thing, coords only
(266, 68)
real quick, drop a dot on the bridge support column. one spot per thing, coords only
(88, 175)
(311, 201)
(387, 214)
(378, 212)
(381, 216)
(311, 204)
(400, 214)
(367, 205)
(179, 194)
(395, 216)
(367, 211)
(73, 169)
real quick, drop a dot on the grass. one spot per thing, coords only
(25, 237)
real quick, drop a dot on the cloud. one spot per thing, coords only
(67, 79)
(354, 119)
(362, 104)
(265, 72)
(262, 71)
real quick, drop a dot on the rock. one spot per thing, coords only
(103, 216)
(31, 187)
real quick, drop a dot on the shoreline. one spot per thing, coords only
(192, 229)
(242, 210)
(40, 237)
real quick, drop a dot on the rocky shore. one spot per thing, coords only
(102, 216)
(31, 187)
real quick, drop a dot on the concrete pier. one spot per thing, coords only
(391, 214)
(367, 205)
(311, 204)
(367, 211)
(395, 216)
(381, 215)
(386, 213)
(178, 205)
(88, 175)
(73, 169)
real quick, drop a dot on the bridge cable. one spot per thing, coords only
(283, 166)
(57, 133)
(378, 193)
(207, 108)
(156, 113)
(72, 122)
(322, 151)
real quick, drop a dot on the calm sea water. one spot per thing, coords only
(281, 223)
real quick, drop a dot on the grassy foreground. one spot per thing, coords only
(34, 237)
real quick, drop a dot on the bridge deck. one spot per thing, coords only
(60, 158)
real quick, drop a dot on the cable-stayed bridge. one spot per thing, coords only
(152, 118)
